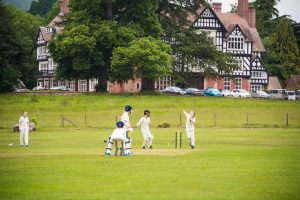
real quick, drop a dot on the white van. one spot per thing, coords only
(291, 95)
(278, 94)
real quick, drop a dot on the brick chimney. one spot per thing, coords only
(64, 6)
(243, 8)
(217, 6)
(251, 19)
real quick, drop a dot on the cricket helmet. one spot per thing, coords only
(128, 108)
(146, 112)
(120, 124)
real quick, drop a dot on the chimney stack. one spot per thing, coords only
(64, 6)
(217, 6)
(243, 8)
(252, 17)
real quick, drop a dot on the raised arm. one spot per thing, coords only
(186, 114)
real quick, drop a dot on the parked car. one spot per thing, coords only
(38, 88)
(241, 93)
(212, 92)
(260, 94)
(173, 90)
(60, 88)
(227, 93)
(278, 94)
(291, 95)
(194, 91)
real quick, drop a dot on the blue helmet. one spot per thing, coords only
(128, 108)
(120, 124)
(146, 112)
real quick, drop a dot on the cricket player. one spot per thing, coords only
(189, 126)
(24, 129)
(144, 123)
(119, 134)
(127, 126)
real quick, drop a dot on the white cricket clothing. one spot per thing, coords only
(119, 134)
(24, 130)
(145, 129)
(125, 120)
(190, 129)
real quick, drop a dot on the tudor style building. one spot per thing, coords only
(46, 66)
(235, 33)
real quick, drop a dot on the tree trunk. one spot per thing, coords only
(102, 85)
(147, 85)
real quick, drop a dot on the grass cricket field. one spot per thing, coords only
(245, 149)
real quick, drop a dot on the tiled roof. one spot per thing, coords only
(294, 82)
(230, 20)
(273, 83)
(49, 35)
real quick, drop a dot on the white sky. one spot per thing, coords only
(285, 7)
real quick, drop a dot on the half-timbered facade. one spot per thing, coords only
(233, 33)
(46, 65)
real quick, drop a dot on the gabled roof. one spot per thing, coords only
(229, 21)
(273, 83)
(293, 82)
(48, 36)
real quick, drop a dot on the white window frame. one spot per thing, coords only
(238, 83)
(227, 83)
(235, 42)
(254, 88)
(82, 86)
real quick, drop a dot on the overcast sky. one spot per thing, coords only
(285, 7)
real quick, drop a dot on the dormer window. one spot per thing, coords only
(48, 29)
(235, 43)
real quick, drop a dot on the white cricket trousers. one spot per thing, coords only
(24, 132)
(148, 139)
(191, 136)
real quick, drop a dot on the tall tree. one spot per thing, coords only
(265, 11)
(26, 26)
(11, 56)
(41, 7)
(286, 47)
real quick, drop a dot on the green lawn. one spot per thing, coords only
(230, 161)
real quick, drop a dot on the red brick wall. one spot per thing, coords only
(219, 83)
(130, 86)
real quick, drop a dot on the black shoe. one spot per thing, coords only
(151, 147)
(192, 147)
(144, 147)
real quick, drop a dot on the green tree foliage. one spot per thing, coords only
(54, 10)
(11, 52)
(85, 51)
(26, 26)
(286, 48)
(41, 7)
(265, 11)
(146, 58)
(142, 13)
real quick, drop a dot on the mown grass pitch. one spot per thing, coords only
(230, 161)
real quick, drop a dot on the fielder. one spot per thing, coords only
(189, 126)
(24, 129)
(144, 123)
(119, 134)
